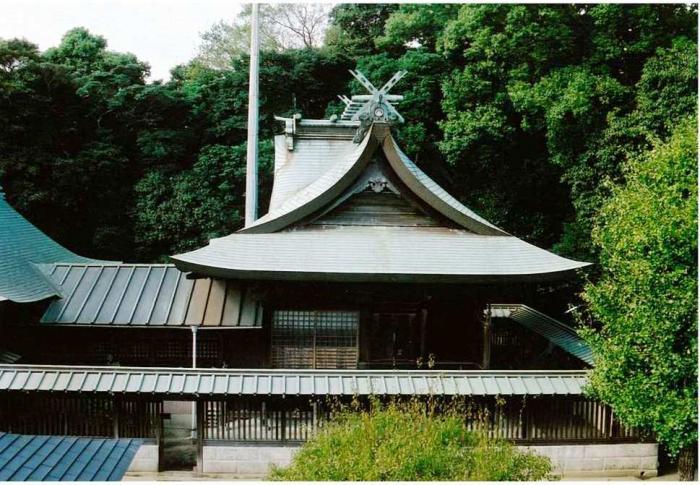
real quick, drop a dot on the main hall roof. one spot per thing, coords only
(320, 169)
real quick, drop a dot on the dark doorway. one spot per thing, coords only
(179, 448)
(397, 339)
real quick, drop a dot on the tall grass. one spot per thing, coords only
(408, 441)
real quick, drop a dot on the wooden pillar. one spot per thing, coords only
(159, 432)
(284, 424)
(116, 411)
(423, 332)
(200, 437)
(486, 327)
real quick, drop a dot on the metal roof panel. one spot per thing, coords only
(190, 382)
(162, 303)
(153, 295)
(149, 295)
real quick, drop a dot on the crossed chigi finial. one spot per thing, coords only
(378, 105)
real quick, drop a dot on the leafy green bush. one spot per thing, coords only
(401, 441)
(646, 303)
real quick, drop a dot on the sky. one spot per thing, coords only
(162, 33)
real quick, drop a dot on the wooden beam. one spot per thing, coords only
(423, 331)
(200, 437)
(116, 411)
(159, 432)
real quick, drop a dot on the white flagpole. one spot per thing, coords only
(251, 183)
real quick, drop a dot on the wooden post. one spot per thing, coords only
(194, 366)
(116, 410)
(486, 357)
(200, 437)
(423, 332)
(284, 424)
(159, 432)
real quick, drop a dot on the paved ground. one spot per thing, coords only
(173, 476)
(669, 477)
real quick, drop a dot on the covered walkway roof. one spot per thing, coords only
(179, 382)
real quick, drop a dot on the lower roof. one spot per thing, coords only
(147, 295)
(179, 382)
(64, 458)
(376, 253)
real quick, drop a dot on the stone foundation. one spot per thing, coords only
(628, 459)
(246, 460)
(146, 459)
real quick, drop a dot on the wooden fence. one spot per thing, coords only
(80, 416)
(268, 420)
(548, 420)
(543, 420)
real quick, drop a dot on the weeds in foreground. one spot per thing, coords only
(408, 441)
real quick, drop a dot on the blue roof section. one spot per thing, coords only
(23, 249)
(64, 458)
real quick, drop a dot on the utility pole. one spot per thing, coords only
(251, 182)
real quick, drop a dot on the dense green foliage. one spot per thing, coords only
(646, 301)
(118, 168)
(519, 110)
(400, 441)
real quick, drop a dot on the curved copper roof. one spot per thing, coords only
(363, 254)
(280, 246)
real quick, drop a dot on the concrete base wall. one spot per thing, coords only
(146, 459)
(628, 459)
(246, 461)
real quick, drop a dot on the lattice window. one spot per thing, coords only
(314, 339)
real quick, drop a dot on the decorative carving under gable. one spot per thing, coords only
(378, 184)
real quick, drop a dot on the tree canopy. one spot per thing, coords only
(646, 301)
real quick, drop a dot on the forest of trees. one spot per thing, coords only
(523, 112)
(535, 116)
